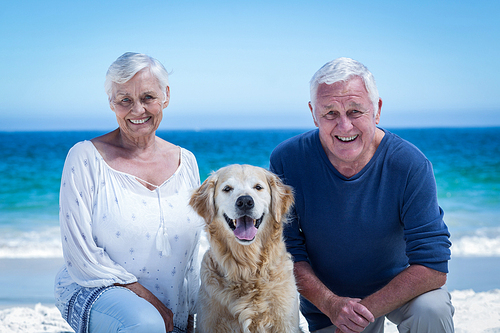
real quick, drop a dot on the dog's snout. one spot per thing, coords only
(245, 202)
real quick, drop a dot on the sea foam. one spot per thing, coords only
(46, 243)
(481, 243)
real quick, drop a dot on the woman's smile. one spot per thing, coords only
(139, 121)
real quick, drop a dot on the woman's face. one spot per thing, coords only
(138, 104)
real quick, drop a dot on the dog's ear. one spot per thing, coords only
(281, 196)
(202, 200)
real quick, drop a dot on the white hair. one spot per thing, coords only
(344, 69)
(129, 64)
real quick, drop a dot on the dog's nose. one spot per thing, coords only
(245, 202)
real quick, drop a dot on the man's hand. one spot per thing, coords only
(141, 291)
(347, 314)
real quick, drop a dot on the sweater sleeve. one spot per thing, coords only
(426, 234)
(294, 237)
(87, 264)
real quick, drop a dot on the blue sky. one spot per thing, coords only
(247, 64)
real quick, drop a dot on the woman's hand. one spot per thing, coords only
(141, 291)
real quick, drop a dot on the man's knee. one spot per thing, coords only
(429, 312)
(430, 305)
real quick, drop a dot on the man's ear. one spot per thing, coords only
(312, 114)
(377, 116)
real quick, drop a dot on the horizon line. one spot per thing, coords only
(191, 129)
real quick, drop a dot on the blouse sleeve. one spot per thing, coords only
(193, 269)
(87, 264)
(193, 279)
(192, 174)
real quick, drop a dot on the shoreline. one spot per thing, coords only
(479, 274)
(29, 281)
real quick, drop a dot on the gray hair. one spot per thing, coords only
(129, 64)
(343, 69)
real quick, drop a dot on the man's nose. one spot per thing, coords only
(344, 123)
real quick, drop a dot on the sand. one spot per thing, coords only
(26, 295)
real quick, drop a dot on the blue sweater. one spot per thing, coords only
(358, 233)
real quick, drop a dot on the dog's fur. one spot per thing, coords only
(247, 284)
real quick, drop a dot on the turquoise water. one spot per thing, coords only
(466, 163)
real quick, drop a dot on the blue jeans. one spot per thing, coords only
(121, 310)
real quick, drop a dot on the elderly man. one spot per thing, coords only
(367, 234)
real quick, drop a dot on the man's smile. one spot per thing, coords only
(347, 138)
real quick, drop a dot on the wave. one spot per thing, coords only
(46, 243)
(481, 243)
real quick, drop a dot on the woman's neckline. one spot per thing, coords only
(141, 181)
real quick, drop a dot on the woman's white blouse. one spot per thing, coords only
(115, 230)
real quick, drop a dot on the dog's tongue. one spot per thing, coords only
(245, 230)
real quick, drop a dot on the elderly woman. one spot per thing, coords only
(129, 239)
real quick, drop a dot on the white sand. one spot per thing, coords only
(474, 312)
(474, 281)
(38, 319)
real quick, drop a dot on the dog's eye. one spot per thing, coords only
(258, 187)
(227, 188)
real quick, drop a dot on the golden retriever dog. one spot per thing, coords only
(247, 281)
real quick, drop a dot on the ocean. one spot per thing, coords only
(466, 164)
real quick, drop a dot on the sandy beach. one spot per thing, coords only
(27, 301)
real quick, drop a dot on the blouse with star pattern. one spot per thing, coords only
(115, 230)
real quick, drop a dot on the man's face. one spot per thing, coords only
(343, 112)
